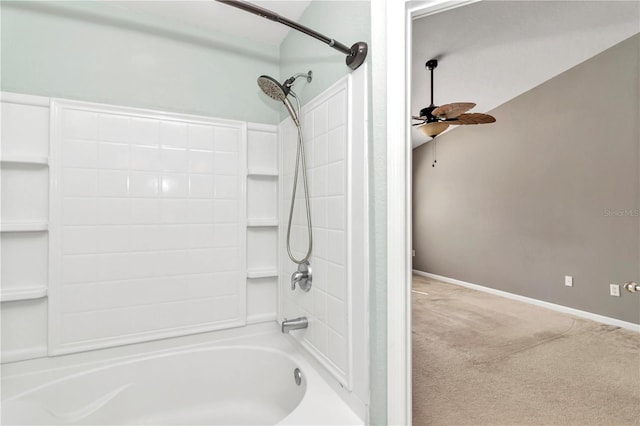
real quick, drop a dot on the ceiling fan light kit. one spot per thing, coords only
(434, 119)
(433, 129)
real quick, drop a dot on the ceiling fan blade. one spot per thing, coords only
(421, 120)
(472, 118)
(452, 110)
(433, 129)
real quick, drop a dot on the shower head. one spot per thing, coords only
(272, 88)
(279, 92)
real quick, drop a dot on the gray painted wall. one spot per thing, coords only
(521, 203)
(96, 52)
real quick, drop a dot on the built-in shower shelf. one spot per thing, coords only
(26, 293)
(262, 273)
(23, 226)
(262, 172)
(259, 223)
(25, 159)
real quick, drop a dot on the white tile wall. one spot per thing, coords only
(335, 129)
(324, 123)
(147, 208)
(148, 225)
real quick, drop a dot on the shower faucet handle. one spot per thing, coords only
(296, 277)
(302, 277)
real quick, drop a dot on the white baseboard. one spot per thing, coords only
(559, 308)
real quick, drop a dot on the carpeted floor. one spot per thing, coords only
(480, 359)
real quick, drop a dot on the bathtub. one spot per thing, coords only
(209, 379)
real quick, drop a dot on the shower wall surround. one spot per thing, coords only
(147, 225)
(148, 219)
(334, 128)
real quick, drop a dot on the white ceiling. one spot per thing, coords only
(492, 51)
(217, 18)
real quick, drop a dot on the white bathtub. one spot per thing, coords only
(195, 380)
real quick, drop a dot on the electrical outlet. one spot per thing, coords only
(614, 290)
(413, 252)
(568, 280)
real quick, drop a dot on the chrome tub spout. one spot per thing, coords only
(294, 324)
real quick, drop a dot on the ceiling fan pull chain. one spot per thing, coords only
(435, 142)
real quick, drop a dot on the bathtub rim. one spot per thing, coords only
(319, 383)
(85, 359)
(108, 364)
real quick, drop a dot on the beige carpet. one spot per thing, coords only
(480, 359)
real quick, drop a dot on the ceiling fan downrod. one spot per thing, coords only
(431, 64)
(426, 112)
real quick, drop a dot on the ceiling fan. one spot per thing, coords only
(434, 119)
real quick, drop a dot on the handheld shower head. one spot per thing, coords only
(272, 88)
(279, 92)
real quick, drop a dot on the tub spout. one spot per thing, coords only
(294, 324)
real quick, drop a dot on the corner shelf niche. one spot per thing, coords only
(24, 239)
(262, 198)
(262, 223)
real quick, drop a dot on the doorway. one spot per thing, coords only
(522, 209)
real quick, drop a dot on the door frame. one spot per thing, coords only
(399, 18)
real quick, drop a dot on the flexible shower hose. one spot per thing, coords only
(300, 158)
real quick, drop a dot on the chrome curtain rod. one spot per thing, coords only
(356, 54)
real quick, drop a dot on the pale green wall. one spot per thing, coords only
(100, 53)
(378, 213)
(344, 21)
